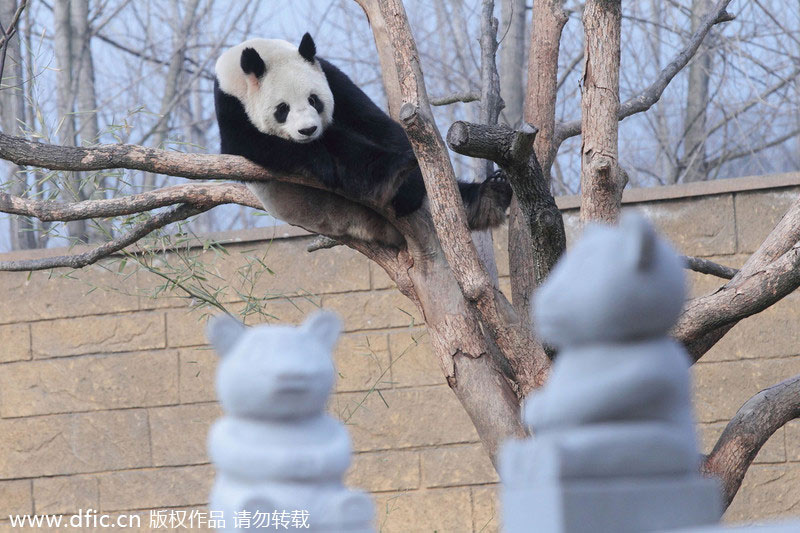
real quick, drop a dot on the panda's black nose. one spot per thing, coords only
(308, 131)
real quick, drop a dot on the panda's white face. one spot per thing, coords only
(283, 89)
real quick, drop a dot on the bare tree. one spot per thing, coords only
(483, 341)
(694, 153)
(12, 113)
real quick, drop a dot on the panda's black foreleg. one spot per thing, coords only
(410, 195)
(486, 202)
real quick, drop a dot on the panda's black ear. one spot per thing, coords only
(252, 63)
(307, 48)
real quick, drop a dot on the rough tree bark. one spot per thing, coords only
(445, 257)
(601, 179)
(748, 430)
(536, 237)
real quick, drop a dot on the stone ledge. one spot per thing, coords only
(698, 188)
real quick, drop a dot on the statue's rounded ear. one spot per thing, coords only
(641, 242)
(307, 49)
(325, 325)
(223, 332)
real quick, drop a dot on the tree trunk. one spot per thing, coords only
(12, 116)
(87, 126)
(549, 18)
(601, 179)
(66, 63)
(41, 186)
(512, 59)
(694, 151)
(463, 350)
(174, 70)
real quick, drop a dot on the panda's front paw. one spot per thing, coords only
(497, 189)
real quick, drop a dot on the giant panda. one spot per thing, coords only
(292, 112)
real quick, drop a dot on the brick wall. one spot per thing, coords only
(106, 395)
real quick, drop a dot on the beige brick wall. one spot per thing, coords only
(106, 396)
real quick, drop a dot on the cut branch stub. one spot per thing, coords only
(704, 266)
(499, 143)
(512, 150)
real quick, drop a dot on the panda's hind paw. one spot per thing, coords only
(497, 189)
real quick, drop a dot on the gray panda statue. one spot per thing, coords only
(289, 111)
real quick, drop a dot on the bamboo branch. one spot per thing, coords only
(138, 232)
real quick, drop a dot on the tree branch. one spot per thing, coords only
(754, 423)
(456, 97)
(191, 166)
(138, 232)
(205, 195)
(514, 340)
(109, 156)
(702, 325)
(527, 267)
(742, 297)
(704, 266)
(601, 178)
(649, 96)
(7, 33)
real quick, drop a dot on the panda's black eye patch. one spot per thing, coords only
(281, 112)
(316, 103)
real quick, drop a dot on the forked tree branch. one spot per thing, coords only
(528, 260)
(754, 423)
(745, 296)
(512, 337)
(513, 151)
(649, 96)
